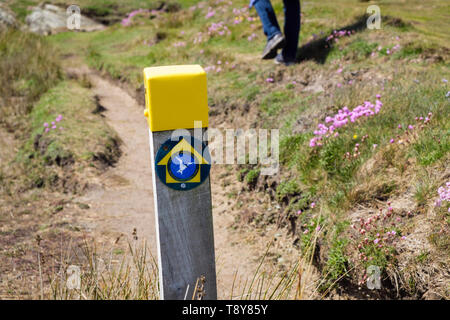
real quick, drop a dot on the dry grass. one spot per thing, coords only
(135, 277)
(411, 85)
(24, 74)
(104, 277)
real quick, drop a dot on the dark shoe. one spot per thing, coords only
(280, 60)
(277, 42)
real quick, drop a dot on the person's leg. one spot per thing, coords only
(291, 29)
(268, 18)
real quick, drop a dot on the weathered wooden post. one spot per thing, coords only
(176, 98)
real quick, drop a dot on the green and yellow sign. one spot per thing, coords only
(180, 165)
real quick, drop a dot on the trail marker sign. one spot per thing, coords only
(176, 100)
(180, 165)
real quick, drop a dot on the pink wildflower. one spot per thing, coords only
(210, 14)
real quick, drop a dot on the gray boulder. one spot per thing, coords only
(50, 19)
(7, 18)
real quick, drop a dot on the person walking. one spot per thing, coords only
(275, 39)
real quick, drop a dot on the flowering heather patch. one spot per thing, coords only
(211, 13)
(251, 37)
(198, 38)
(241, 11)
(218, 67)
(335, 35)
(218, 29)
(444, 195)
(53, 125)
(356, 152)
(377, 236)
(221, 28)
(242, 15)
(238, 20)
(210, 68)
(127, 21)
(179, 44)
(386, 50)
(342, 118)
(421, 122)
(199, 5)
(338, 34)
(310, 227)
(395, 48)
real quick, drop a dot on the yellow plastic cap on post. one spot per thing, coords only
(175, 97)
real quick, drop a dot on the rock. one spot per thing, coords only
(7, 18)
(51, 19)
(52, 8)
(314, 88)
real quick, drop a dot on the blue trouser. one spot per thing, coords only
(291, 24)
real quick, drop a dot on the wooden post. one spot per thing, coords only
(176, 98)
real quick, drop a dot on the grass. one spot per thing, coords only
(337, 263)
(287, 189)
(70, 143)
(38, 181)
(432, 145)
(273, 103)
(86, 274)
(410, 81)
(252, 177)
(25, 74)
(337, 171)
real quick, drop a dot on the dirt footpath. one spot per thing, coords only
(121, 199)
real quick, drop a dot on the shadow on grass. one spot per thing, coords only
(318, 50)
